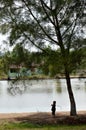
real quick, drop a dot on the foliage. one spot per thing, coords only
(41, 23)
(55, 23)
(19, 55)
(51, 64)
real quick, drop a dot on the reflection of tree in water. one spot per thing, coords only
(40, 86)
(58, 86)
(85, 85)
(0, 89)
(16, 87)
(28, 86)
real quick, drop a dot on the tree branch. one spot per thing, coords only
(34, 43)
(42, 3)
(45, 5)
(70, 37)
(38, 22)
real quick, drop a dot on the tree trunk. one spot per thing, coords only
(71, 96)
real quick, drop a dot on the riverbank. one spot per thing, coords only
(45, 118)
(44, 77)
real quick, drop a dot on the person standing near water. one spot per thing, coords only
(53, 109)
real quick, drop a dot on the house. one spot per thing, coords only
(20, 70)
(14, 71)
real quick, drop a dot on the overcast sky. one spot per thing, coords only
(5, 47)
(2, 45)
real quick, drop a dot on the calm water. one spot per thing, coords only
(37, 95)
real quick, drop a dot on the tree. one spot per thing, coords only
(6, 61)
(40, 23)
(19, 55)
(2, 71)
(52, 62)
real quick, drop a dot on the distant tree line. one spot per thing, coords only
(51, 64)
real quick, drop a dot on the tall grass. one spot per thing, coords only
(28, 126)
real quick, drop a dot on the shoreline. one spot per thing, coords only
(37, 78)
(25, 114)
(44, 118)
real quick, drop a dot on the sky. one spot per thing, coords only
(3, 46)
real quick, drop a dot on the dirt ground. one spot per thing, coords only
(43, 118)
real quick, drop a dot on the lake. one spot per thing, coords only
(38, 95)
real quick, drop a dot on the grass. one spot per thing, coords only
(28, 126)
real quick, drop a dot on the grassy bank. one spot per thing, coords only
(28, 126)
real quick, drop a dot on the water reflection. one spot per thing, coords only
(0, 89)
(85, 83)
(58, 86)
(16, 87)
(21, 87)
(37, 95)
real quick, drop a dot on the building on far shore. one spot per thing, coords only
(16, 71)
